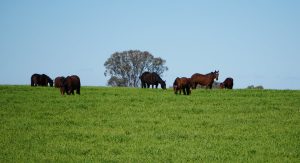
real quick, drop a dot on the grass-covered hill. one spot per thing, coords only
(148, 125)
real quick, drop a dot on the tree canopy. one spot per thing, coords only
(125, 68)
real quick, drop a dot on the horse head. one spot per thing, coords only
(50, 81)
(216, 75)
(163, 84)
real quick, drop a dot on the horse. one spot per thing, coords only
(41, 80)
(205, 80)
(183, 84)
(148, 78)
(58, 82)
(70, 83)
(228, 83)
(44, 80)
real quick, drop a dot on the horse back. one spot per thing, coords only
(198, 78)
(228, 83)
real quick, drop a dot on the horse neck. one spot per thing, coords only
(211, 77)
(160, 80)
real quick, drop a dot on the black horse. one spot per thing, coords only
(41, 80)
(148, 78)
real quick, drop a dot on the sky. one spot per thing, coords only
(253, 41)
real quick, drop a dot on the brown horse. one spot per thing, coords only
(58, 82)
(183, 84)
(70, 84)
(148, 78)
(227, 84)
(41, 80)
(204, 80)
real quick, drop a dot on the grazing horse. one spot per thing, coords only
(205, 80)
(58, 82)
(41, 80)
(227, 84)
(148, 78)
(183, 84)
(70, 84)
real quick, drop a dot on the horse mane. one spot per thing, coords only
(175, 81)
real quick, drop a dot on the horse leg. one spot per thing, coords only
(62, 91)
(189, 91)
(194, 85)
(183, 89)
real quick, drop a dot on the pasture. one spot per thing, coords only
(148, 125)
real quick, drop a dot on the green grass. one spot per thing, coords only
(145, 125)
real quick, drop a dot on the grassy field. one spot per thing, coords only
(145, 125)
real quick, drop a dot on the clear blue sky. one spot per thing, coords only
(256, 42)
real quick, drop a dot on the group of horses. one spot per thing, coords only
(185, 84)
(71, 83)
(66, 84)
(41, 80)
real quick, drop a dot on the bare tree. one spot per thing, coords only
(127, 66)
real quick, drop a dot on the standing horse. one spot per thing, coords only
(228, 83)
(148, 78)
(183, 84)
(204, 80)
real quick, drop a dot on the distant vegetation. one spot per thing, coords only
(255, 87)
(148, 125)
